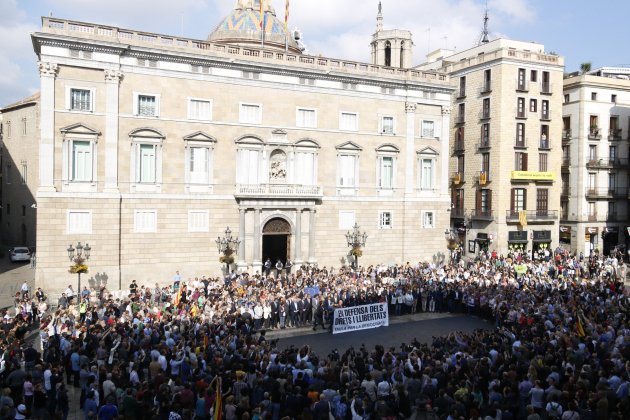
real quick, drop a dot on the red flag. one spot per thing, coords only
(262, 13)
(218, 403)
(286, 17)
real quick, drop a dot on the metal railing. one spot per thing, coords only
(610, 192)
(532, 215)
(607, 162)
(594, 134)
(615, 134)
(480, 214)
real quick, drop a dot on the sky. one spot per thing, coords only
(335, 28)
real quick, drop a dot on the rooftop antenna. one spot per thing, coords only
(484, 33)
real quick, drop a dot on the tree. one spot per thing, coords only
(585, 67)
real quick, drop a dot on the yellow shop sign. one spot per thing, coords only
(533, 176)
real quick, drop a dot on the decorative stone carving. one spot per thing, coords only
(113, 76)
(48, 69)
(446, 110)
(278, 166)
(277, 225)
(410, 107)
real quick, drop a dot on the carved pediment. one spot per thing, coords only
(147, 132)
(387, 148)
(428, 151)
(349, 146)
(307, 143)
(200, 136)
(250, 139)
(80, 128)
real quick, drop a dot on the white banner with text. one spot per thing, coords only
(360, 318)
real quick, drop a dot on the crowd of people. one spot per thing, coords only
(558, 346)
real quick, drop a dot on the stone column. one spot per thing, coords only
(444, 151)
(257, 263)
(297, 258)
(112, 83)
(410, 153)
(47, 72)
(311, 236)
(241, 264)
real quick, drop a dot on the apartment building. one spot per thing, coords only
(19, 139)
(506, 144)
(595, 169)
(152, 145)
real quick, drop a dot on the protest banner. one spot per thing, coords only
(361, 317)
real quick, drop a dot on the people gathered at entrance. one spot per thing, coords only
(557, 346)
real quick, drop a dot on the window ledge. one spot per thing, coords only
(347, 191)
(73, 186)
(199, 188)
(146, 188)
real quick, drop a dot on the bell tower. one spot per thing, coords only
(392, 47)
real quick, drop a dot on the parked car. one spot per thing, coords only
(20, 253)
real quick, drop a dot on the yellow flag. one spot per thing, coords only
(522, 217)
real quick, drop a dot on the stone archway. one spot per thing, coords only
(276, 243)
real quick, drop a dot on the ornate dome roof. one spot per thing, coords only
(242, 27)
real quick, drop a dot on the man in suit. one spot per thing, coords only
(275, 313)
(267, 267)
(305, 315)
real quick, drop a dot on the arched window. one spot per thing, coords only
(388, 54)
(402, 54)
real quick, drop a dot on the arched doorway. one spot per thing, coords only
(276, 241)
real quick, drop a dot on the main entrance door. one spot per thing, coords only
(276, 241)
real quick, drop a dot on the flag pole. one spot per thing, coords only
(262, 24)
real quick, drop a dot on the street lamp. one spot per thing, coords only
(227, 246)
(356, 241)
(79, 255)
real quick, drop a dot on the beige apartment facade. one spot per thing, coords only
(152, 145)
(595, 168)
(19, 140)
(506, 147)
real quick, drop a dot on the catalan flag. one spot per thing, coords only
(522, 217)
(262, 14)
(286, 17)
(218, 403)
(579, 326)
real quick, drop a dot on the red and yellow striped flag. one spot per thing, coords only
(286, 17)
(579, 327)
(218, 404)
(262, 13)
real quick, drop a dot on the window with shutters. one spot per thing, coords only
(485, 165)
(348, 168)
(146, 105)
(428, 129)
(305, 158)
(198, 220)
(520, 108)
(349, 121)
(485, 111)
(485, 135)
(457, 204)
(542, 201)
(542, 162)
(145, 221)
(387, 124)
(384, 219)
(79, 157)
(146, 160)
(80, 99)
(483, 205)
(520, 135)
(518, 200)
(199, 109)
(533, 105)
(544, 110)
(199, 154)
(386, 166)
(428, 219)
(427, 173)
(521, 83)
(249, 164)
(520, 161)
(250, 113)
(306, 118)
(79, 221)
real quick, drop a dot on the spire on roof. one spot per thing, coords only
(379, 18)
(484, 33)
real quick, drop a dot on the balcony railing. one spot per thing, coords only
(607, 163)
(614, 192)
(566, 135)
(485, 144)
(486, 87)
(546, 88)
(521, 114)
(520, 143)
(458, 178)
(545, 116)
(594, 134)
(461, 93)
(278, 190)
(592, 217)
(479, 214)
(460, 119)
(532, 215)
(544, 144)
(614, 134)
(522, 87)
(459, 146)
(484, 114)
(457, 213)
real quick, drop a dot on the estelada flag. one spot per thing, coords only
(579, 327)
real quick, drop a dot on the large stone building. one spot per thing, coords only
(506, 147)
(151, 145)
(595, 170)
(19, 134)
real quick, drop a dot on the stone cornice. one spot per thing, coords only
(176, 56)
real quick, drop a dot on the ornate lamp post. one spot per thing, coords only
(227, 246)
(79, 255)
(356, 241)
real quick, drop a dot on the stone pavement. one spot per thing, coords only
(12, 275)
